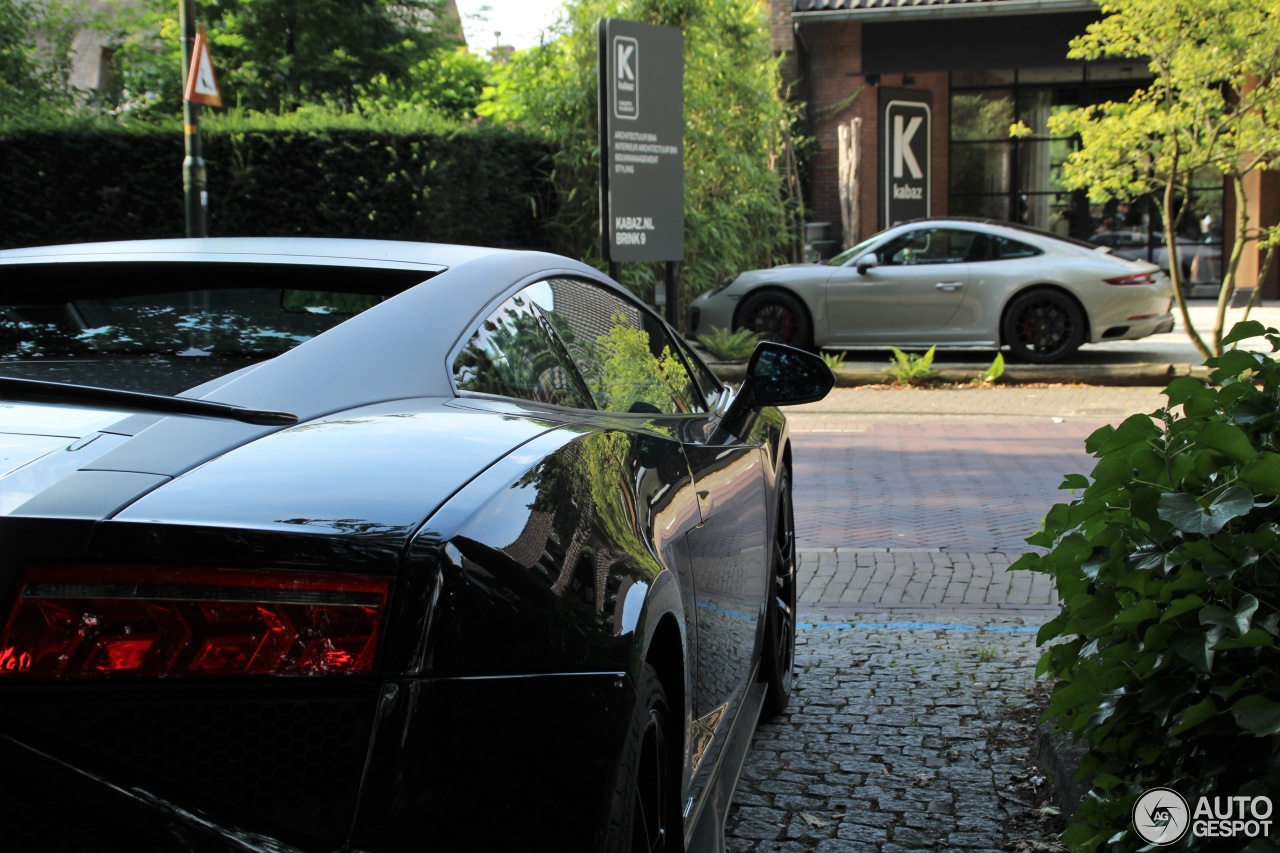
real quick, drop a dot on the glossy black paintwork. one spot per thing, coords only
(539, 556)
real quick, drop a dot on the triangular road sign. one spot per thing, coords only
(202, 84)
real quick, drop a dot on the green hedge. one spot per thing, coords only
(77, 184)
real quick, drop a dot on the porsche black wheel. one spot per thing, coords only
(1043, 326)
(646, 811)
(776, 316)
(778, 659)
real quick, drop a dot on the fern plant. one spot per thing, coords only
(725, 345)
(911, 368)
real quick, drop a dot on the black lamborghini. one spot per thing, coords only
(337, 545)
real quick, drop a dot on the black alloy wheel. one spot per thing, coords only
(776, 316)
(1043, 326)
(646, 811)
(778, 660)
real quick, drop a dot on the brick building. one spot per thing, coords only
(920, 94)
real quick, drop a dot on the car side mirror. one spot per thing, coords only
(867, 262)
(778, 375)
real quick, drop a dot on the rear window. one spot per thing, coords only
(163, 328)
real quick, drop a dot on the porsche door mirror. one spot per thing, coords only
(778, 375)
(868, 261)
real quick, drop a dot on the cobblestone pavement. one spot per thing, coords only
(894, 740)
(917, 647)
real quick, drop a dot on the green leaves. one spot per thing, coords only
(1190, 516)
(911, 368)
(1166, 652)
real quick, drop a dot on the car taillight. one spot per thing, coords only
(1136, 278)
(83, 621)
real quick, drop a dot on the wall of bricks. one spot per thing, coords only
(837, 91)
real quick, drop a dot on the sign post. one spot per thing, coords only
(905, 155)
(642, 148)
(201, 89)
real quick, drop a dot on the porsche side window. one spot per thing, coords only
(928, 246)
(515, 353)
(1006, 249)
(624, 352)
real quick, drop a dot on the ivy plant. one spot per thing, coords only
(1165, 655)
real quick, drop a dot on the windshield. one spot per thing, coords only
(849, 254)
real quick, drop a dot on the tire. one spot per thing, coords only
(1043, 326)
(646, 803)
(776, 316)
(777, 663)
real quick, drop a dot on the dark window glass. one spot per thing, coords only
(573, 343)
(248, 323)
(928, 246)
(516, 353)
(990, 247)
(624, 352)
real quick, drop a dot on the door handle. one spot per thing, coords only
(949, 285)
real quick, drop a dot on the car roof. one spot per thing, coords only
(1015, 229)
(311, 250)
(397, 349)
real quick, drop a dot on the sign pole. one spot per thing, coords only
(194, 185)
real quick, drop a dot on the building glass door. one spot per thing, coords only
(1020, 180)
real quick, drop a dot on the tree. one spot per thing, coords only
(1214, 104)
(276, 55)
(736, 130)
(35, 58)
(447, 82)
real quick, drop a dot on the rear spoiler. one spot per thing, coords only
(88, 396)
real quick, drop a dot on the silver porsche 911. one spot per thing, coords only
(949, 282)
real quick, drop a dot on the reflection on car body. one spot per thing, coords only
(441, 546)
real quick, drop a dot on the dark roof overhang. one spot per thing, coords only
(804, 11)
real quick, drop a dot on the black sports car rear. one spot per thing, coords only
(327, 545)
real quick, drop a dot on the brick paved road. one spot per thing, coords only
(909, 506)
(963, 484)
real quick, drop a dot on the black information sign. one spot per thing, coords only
(906, 123)
(641, 141)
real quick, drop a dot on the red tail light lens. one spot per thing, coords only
(1136, 278)
(95, 621)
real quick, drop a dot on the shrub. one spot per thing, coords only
(910, 368)
(1166, 565)
(725, 345)
(309, 173)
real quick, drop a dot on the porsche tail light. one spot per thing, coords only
(1136, 278)
(83, 621)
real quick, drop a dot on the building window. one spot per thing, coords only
(1020, 180)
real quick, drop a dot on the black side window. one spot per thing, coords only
(625, 353)
(516, 353)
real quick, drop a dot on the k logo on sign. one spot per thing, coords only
(905, 157)
(626, 77)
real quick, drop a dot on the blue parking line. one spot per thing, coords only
(914, 626)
